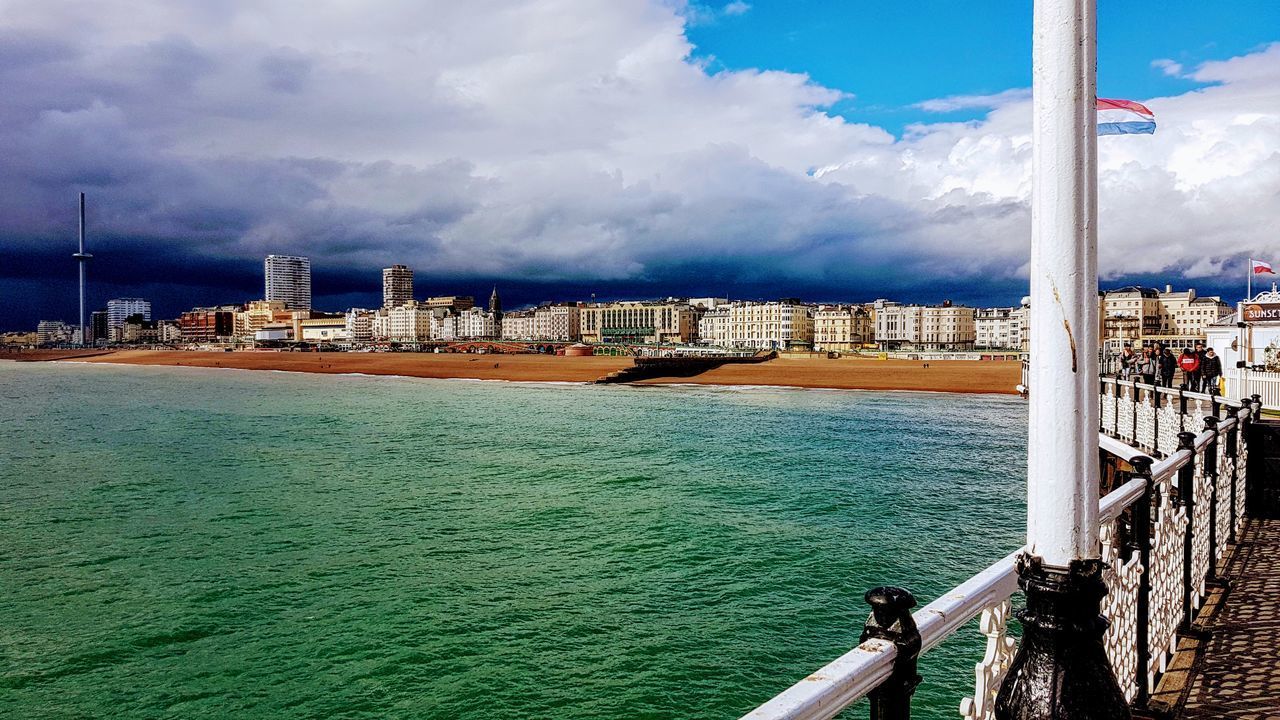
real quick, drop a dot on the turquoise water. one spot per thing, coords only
(186, 543)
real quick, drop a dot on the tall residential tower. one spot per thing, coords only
(397, 286)
(288, 278)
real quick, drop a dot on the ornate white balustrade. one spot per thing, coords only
(1163, 534)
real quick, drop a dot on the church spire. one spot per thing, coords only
(495, 302)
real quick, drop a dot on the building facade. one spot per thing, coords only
(517, 325)
(778, 325)
(1142, 316)
(557, 323)
(208, 324)
(944, 327)
(999, 328)
(713, 327)
(842, 328)
(119, 310)
(52, 332)
(635, 322)
(409, 323)
(360, 325)
(397, 285)
(287, 278)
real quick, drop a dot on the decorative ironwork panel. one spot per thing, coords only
(1223, 507)
(1169, 426)
(1124, 411)
(1202, 488)
(1120, 608)
(1168, 537)
(1242, 466)
(1145, 422)
(1197, 410)
(1107, 409)
(990, 671)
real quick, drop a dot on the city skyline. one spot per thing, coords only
(615, 164)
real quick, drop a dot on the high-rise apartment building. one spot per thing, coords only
(397, 286)
(119, 310)
(288, 278)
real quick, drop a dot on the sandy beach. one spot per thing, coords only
(801, 371)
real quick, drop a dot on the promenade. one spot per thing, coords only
(1238, 673)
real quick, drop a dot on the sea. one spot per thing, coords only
(211, 543)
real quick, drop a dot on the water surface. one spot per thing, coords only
(203, 543)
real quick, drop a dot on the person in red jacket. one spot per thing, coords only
(1189, 361)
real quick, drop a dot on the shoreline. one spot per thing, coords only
(803, 372)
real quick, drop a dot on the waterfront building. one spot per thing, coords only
(560, 322)
(713, 326)
(139, 332)
(98, 327)
(471, 324)
(208, 324)
(258, 313)
(1142, 316)
(841, 327)
(359, 325)
(924, 327)
(288, 278)
(707, 303)
(119, 310)
(779, 325)
(274, 332)
(20, 339)
(330, 329)
(999, 328)
(631, 321)
(450, 302)
(168, 331)
(52, 332)
(397, 285)
(408, 323)
(517, 325)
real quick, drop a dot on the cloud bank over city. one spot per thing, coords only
(565, 144)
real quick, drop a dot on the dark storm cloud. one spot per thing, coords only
(496, 142)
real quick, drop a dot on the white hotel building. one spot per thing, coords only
(924, 327)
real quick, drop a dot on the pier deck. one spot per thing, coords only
(1237, 673)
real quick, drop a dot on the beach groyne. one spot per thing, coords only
(650, 368)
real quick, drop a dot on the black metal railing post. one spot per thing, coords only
(1233, 437)
(1210, 472)
(1182, 407)
(891, 620)
(1257, 406)
(1140, 543)
(1187, 497)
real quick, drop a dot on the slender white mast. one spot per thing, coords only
(1062, 465)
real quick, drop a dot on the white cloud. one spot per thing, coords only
(737, 7)
(1168, 67)
(974, 102)
(495, 137)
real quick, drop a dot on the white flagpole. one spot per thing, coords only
(1248, 278)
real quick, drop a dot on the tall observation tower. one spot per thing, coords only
(82, 257)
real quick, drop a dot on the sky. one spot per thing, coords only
(633, 148)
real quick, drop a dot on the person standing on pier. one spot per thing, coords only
(1127, 362)
(1168, 366)
(1147, 366)
(1190, 363)
(1210, 371)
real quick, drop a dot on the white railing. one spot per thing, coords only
(1266, 385)
(1193, 497)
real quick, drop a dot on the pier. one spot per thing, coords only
(1190, 547)
(1147, 584)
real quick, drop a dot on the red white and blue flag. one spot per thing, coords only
(1124, 117)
